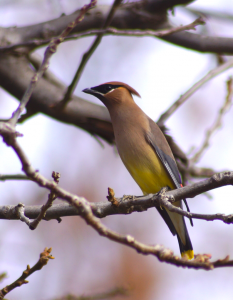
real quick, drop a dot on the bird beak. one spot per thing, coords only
(88, 91)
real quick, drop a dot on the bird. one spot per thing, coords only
(144, 151)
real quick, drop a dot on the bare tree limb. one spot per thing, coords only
(134, 15)
(211, 74)
(36, 60)
(15, 75)
(51, 49)
(129, 204)
(91, 117)
(4, 177)
(43, 260)
(84, 207)
(108, 31)
(7, 130)
(87, 55)
(217, 123)
(52, 196)
(201, 43)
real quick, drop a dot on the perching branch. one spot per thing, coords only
(129, 204)
(84, 207)
(43, 260)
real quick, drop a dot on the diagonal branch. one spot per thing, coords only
(218, 122)
(87, 56)
(52, 196)
(43, 260)
(211, 74)
(51, 49)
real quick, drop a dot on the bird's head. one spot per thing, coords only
(111, 93)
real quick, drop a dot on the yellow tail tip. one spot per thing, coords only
(188, 253)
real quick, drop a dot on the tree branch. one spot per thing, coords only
(51, 49)
(43, 260)
(129, 204)
(84, 207)
(108, 31)
(211, 74)
(87, 55)
(15, 74)
(7, 130)
(4, 177)
(217, 123)
(52, 196)
(142, 15)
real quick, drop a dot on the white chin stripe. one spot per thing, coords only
(102, 93)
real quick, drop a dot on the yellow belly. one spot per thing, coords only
(151, 176)
(148, 172)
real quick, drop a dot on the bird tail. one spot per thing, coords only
(186, 248)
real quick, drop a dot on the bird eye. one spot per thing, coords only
(107, 88)
(104, 88)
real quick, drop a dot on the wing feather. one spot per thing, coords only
(164, 153)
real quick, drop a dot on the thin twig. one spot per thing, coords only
(87, 56)
(217, 123)
(110, 30)
(43, 260)
(218, 70)
(165, 201)
(159, 33)
(52, 196)
(36, 60)
(50, 50)
(4, 177)
(20, 208)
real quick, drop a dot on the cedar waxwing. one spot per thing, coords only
(144, 151)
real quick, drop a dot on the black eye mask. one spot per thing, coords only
(105, 88)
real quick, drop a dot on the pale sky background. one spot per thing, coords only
(85, 262)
